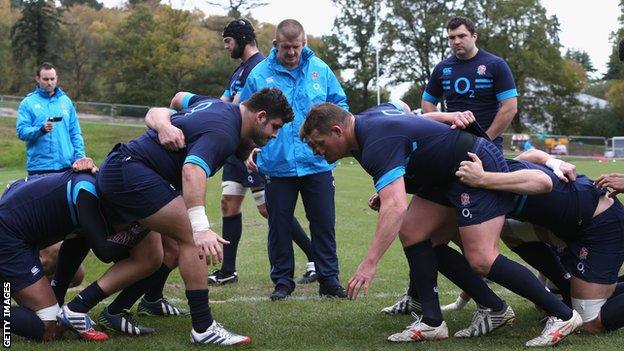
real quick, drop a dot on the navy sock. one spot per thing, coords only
(542, 257)
(232, 232)
(26, 323)
(128, 296)
(70, 256)
(424, 270)
(200, 310)
(612, 313)
(455, 267)
(521, 281)
(159, 278)
(302, 240)
(87, 299)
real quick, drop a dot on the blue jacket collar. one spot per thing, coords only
(306, 55)
(58, 92)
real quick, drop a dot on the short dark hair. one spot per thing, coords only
(457, 21)
(273, 101)
(291, 29)
(322, 117)
(44, 65)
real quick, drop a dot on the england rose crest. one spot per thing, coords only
(465, 199)
(481, 70)
(583, 253)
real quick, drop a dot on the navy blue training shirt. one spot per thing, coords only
(564, 210)
(396, 144)
(478, 84)
(238, 78)
(44, 212)
(212, 133)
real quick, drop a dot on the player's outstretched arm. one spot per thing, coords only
(525, 181)
(194, 192)
(177, 101)
(393, 206)
(459, 120)
(564, 170)
(614, 181)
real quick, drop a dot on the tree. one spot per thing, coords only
(32, 33)
(615, 69)
(356, 49)
(581, 57)
(91, 3)
(236, 8)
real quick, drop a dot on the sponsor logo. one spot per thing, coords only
(446, 71)
(583, 253)
(37, 106)
(269, 80)
(315, 75)
(35, 270)
(466, 213)
(465, 199)
(250, 179)
(316, 86)
(481, 70)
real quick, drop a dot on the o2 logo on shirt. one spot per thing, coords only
(199, 107)
(462, 86)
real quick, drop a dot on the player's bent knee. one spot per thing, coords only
(480, 265)
(589, 309)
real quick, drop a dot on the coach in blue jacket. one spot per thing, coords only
(289, 164)
(47, 122)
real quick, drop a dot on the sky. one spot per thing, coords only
(585, 25)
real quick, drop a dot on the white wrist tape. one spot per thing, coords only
(555, 164)
(198, 218)
(49, 313)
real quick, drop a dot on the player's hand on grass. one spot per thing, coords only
(471, 172)
(462, 120)
(374, 202)
(84, 164)
(209, 245)
(361, 279)
(614, 181)
(250, 163)
(171, 138)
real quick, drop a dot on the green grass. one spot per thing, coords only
(305, 322)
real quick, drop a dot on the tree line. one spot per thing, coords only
(144, 51)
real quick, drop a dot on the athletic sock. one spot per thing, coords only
(454, 266)
(26, 323)
(302, 240)
(87, 299)
(201, 317)
(70, 256)
(521, 281)
(232, 232)
(542, 257)
(159, 278)
(612, 313)
(128, 296)
(424, 270)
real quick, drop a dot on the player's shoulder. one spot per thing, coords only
(489, 58)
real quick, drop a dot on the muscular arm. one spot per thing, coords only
(193, 185)
(504, 116)
(176, 102)
(159, 119)
(427, 106)
(564, 170)
(391, 212)
(525, 181)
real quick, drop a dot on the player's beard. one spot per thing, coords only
(238, 51)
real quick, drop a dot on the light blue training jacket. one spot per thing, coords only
(310, 83)
(60, 147)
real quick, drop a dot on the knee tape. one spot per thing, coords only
(232, 188)
(258, 197)
(588, 309)
(48, 313)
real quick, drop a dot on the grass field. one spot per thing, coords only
(304, 322)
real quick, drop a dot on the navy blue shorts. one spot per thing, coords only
(475, 205)
(130, 190)
(19, 261)
(597, 255)
(235, 170)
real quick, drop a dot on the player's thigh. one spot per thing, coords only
(149, 250)
(582, 289)
(423, 219)
(480, 242)
(36, 296)
(172, 221)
